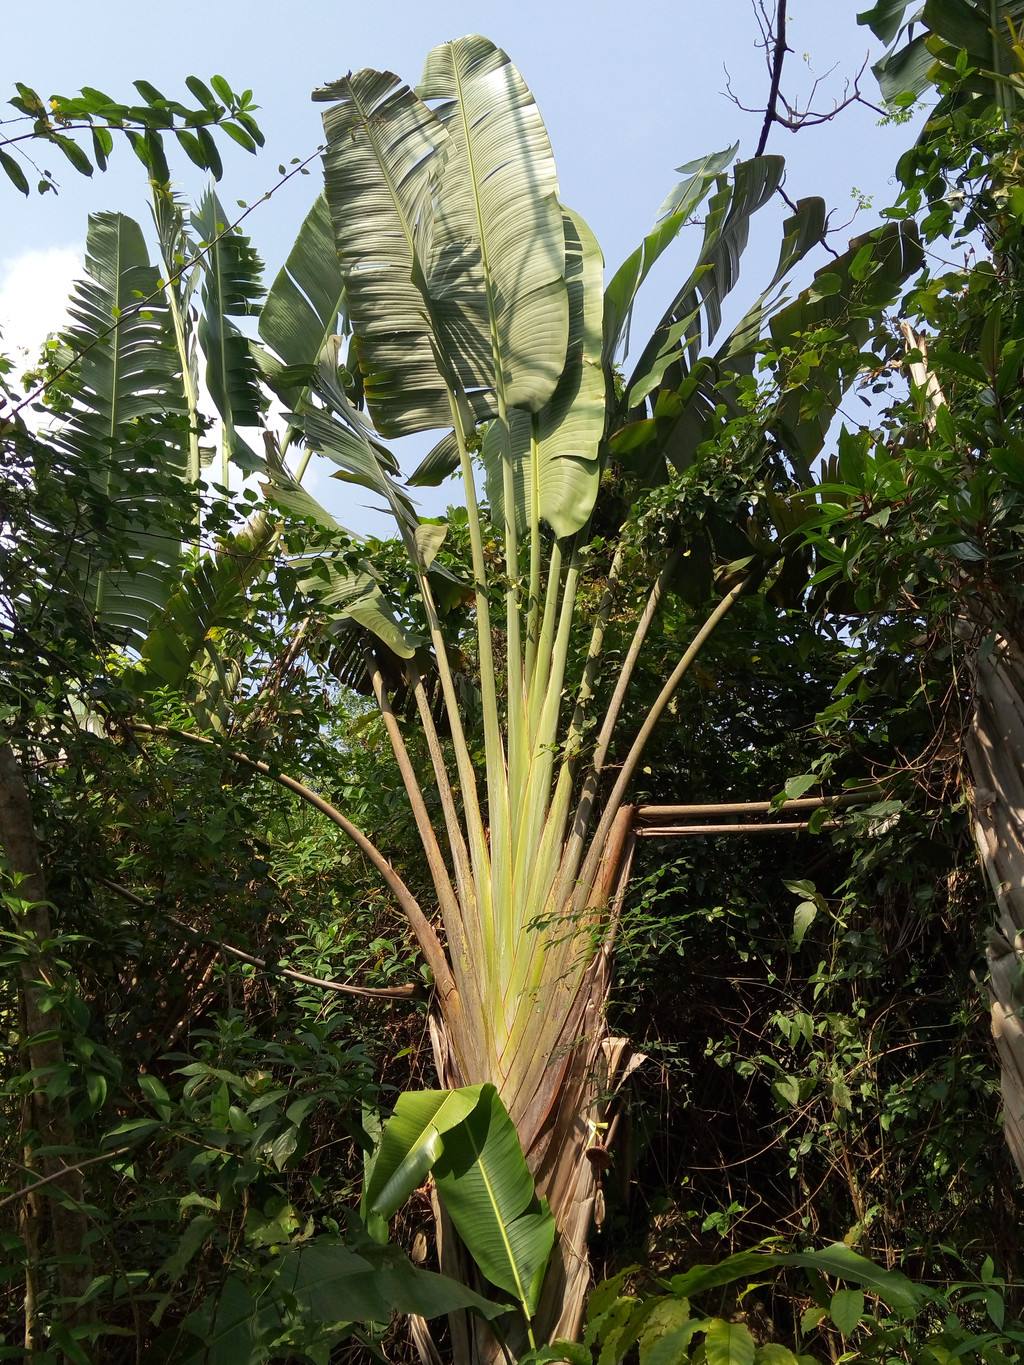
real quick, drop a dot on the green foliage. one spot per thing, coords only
(315, 1296)
(304, 306)
(486, 1187)
(966, 1321)
(800, 997)
(84, 127)
(972, 45)
(126, 427)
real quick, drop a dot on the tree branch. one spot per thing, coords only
(59, 1175)
(632, 759)
(778, 109)
(778, 59)
(429, 943)
(409, 992)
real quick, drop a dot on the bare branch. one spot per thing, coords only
(778, 108)
(60, 1173)
(409, 992)
(429, 943)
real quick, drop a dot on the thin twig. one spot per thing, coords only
(408, 992)
(144, 302)
(57, 1175)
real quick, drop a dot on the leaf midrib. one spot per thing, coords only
(115, 359)
(499, 1219)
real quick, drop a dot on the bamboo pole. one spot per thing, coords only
(752, 807)
(751, 827)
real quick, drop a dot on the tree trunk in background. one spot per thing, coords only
(994, 752)
(50, 1119)
(995, 758)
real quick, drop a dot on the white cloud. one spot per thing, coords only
(34, 290)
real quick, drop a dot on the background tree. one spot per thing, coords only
(923, 511)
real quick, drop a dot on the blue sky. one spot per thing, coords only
(629, 92)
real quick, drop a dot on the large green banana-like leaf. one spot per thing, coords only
(675, 213)
(729, 1343)
(555, 451)
(838, 1260)
(488, 1192)
(126, 430)
(984, 29)
(324, 1284)
(440, 461)
(285, 491)
(687, 414)
(356, 595)
(726, 231)
(411, 1142)
(306, 302)
(352, 594)
(232, 288)
(176, 248)
(696, 311)
(885, 17)
(497, 265)
(469, 1142)
(383, 147)
(359, 461)
(380, 1280)
(800, 232)
(210, 598)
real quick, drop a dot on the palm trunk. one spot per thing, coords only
(49, 1118)
(995, 774)
(559, 1110)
